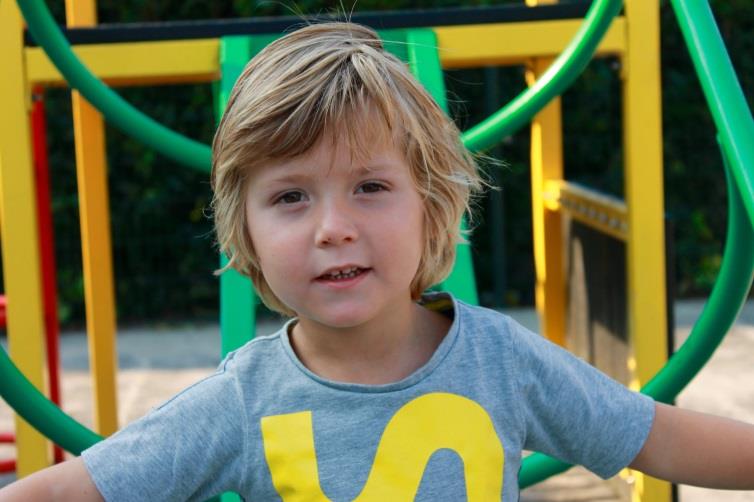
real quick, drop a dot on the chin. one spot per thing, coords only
(343, 322)
(342, 317)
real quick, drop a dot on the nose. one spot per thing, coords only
(336, 225)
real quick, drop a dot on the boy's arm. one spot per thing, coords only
(698, 449)
(69, 481)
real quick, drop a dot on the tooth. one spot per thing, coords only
(345, 273)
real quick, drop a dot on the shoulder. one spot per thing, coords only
(260, 350)
(499, 330)
(488, 323)
(462, 313)
(489, 333)
(238, 373)
(261, 369)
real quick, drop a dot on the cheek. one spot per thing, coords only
(421, 238)
(406, 235)
(259, 235)
(275, 247)
(418, 224)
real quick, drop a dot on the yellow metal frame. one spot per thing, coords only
(638, 221)
(146, 63)
(606, 214)
(547, 167)
(96, 248)
(514, 43)
(19, 237)
(533, 44)
(643, 182)
(135, 63)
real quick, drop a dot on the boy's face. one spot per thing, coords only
(339, 241)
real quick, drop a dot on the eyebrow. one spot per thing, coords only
(296, 177)
(288, 178)
(377, 167)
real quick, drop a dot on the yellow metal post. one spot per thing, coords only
(645, 250)
(18, 224)
(546, 166)
(96, 246)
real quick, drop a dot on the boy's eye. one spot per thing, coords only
(371, 187)
(291, 197)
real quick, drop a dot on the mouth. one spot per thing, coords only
(343, 274)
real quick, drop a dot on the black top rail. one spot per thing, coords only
(213, 28)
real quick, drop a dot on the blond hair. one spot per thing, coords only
(306, 86)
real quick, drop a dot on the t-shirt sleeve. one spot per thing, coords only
(190, 448)
(574, 412)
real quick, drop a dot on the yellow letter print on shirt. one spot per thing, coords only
(421, 427)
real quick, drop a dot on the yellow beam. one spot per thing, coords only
(96, 248)
(515, 43)
(18, 237)
(642, 129)
(547, 166)
(135, 63)
(142, 63)
(604, 213)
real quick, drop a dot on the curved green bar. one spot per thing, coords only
(721, 309)
(116, 110)
(561, 74)
(722, 90)
(40, 412)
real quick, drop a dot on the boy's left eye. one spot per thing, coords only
(290, 197)
(371, 187)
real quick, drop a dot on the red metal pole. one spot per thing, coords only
(3, 306)
(7, 465)
(46, 245)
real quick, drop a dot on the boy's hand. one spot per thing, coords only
(69, 481)
(698, 449)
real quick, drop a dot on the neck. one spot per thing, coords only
(384, 350)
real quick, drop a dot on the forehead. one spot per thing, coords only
(326, 159)
(351, 152)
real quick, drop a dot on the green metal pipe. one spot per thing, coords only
(537, 467)
(722, 307)
(40, 412)
(558, 77)
(726, 100)
(116, 110)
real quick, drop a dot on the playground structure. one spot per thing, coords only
(637, 220)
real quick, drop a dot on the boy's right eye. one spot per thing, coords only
(291, 197)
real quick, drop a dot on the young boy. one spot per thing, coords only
(339, 189)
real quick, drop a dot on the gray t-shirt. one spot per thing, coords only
(267, 428)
